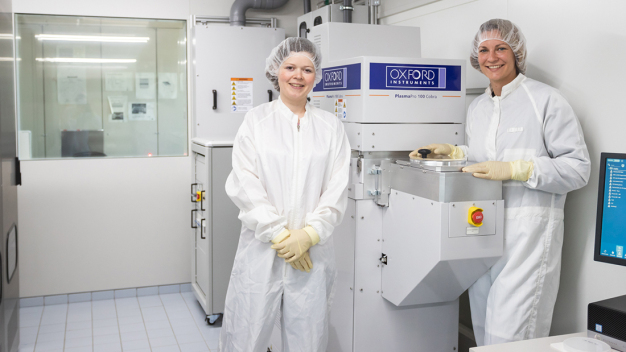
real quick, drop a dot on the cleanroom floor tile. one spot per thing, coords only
(173, 322)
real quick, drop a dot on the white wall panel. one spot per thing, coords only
(101, 224)
(579, 48)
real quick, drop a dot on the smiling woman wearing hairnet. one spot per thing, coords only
(525, 134)
(289, 180)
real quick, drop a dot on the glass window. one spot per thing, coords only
(94, 87)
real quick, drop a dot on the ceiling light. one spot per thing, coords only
(82, 60)
(91, 38)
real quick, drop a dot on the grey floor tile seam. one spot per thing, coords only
(38, 328)
(67, 316)
(144, 326)
(196, 323)
(93, 338)
(168, 319)
(119, 328)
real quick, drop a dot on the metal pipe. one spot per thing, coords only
(374, 11)
(347, 11)
(307, 6)
(239, 8)
(202, 20)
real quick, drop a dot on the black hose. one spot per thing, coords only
(347, 11)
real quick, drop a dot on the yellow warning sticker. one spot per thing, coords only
(341, 110)
(243, 94)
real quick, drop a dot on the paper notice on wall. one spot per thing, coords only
(168, 82)
(241, 94)
(141, 112)
(118, 82)
(145, 85)
(118, 108)
(71, 85)
(341, 108)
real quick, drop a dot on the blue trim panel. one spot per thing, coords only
(390, 76)
(346, 77)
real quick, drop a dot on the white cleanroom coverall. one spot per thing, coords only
(284, 177)
(515, 299)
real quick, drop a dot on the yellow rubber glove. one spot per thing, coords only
(304, 263)
(441, 149)
(491, 170)
(293, 247)
(519, 170)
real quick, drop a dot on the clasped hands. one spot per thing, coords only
(294, 248)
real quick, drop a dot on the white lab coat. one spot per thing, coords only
(283, 177)
(515, 299)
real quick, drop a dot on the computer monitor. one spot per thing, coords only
(611, 215)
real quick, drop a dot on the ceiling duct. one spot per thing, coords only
(239, 8)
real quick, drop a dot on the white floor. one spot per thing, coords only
(160, 323)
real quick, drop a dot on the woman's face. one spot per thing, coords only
(296, 78)
(497, 61)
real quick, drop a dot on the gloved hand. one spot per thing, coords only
(519, 170)
(441, 149)
(304, 263)
(295, 246)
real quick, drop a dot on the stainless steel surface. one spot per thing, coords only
(225, 227)
(374, 137)
(439, 165)
(443, 186)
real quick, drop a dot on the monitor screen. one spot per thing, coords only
(611, 219)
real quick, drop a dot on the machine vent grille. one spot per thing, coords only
(612, 322)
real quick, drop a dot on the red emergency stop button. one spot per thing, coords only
(475, 216)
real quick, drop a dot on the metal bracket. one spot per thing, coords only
(359, 164)
(383, 258)
(346, 8)
(373, 193)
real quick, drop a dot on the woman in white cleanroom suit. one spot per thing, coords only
(524, 133)
(289, 179)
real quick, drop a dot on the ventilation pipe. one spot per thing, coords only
(239, 8)
(307, 6)
(347, 11)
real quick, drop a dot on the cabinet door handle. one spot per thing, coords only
(202, 236)
(269, 91)
(214, 99)
(202, 200)
(193, 194)
(193, 222)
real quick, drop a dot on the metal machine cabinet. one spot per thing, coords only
(228, 80)
(224, 58)
(215, 223)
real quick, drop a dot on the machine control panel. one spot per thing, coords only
(472, 218)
